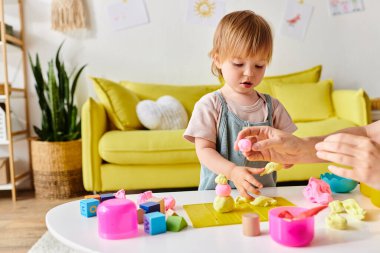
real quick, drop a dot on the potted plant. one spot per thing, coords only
(56, 152)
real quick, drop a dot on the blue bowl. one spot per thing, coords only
(339, 184)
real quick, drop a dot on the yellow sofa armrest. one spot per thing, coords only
(352, 105)
(94, 125)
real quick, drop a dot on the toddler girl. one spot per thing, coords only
(242, 49)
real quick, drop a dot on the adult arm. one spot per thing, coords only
(270, 144)
(278, 146)
(359, 149)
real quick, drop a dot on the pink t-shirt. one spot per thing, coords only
(204, 121)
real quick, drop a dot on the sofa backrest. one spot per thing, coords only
(306, 101)
(188, 95)
(311, 75)
(120, 99)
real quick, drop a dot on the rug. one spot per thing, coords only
(47, 243)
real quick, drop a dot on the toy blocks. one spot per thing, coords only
(140, 216)
(88, 207)
(150, 207)
(159, 201)
(95, 196)
(170, 212)
(175, 223)
(106, 196)
(154, 223)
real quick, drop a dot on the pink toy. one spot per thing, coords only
(294, 233)
(120, 194)
(143, 197)
(251, 224)
(223, 190)
(117, 219)
(308, 213)
(244, 145)
(169, 203)
(318, 191)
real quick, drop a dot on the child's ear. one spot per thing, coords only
(217, 61)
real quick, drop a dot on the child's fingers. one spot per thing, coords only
(252, 180)
(251, 189)
(244, 194)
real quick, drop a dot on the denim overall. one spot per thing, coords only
(229, 127)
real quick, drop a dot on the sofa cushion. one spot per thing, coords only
(120, 103)
(321, 127)
(147, 176)
(306, 101)
(188, 95)
(311, 75)
(164, 114)
(146, 147)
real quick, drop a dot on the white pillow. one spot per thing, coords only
(166, 113)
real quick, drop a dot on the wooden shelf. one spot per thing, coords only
(11, 48)
(20, 178)
(16, 138)
(15, 93)
(8, 45)
(14, 40)
(19, 95)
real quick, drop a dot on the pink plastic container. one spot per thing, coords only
(293, 233)
(117, 219)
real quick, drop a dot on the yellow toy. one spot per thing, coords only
(335, 220)
(352, 208)
(336, 206)
(263, 201)
(272, 167)
(223, 202)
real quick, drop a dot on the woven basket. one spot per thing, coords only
(57, 169)
(375, 103)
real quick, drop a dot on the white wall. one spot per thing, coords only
(168, 50)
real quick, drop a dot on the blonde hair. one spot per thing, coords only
(241, 34)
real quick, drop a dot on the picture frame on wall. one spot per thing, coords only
(339, 7)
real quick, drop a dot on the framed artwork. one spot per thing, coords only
(338, 7)
(127, 14)
(205, 12)
(296, 19)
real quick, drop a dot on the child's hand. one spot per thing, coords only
(245, 182)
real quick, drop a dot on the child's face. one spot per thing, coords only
(243, 74)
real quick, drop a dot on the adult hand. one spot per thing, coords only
(359, 152)
(270, 144)
(245, 182)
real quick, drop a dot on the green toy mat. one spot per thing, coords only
(204, 214)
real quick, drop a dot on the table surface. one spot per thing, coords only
(67, 225)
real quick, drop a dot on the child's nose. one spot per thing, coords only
(248, 71)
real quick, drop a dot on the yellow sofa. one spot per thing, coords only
(119, 154)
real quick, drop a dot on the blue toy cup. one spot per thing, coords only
(339, 184)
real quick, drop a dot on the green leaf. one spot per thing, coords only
(74, 85)
(54, 98)
(59, 121)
